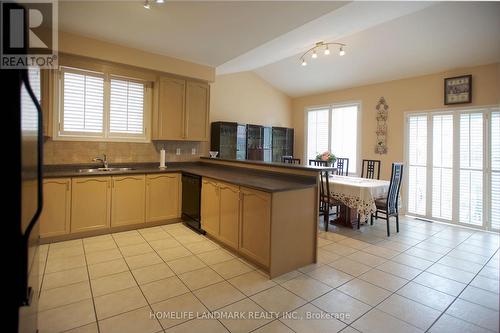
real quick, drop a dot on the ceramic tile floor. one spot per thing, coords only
(428, 278)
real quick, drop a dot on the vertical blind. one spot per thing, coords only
(417, 164)
(83, 102)
(464, 169)
(126, 111)
(334, 129)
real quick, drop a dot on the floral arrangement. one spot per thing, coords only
(326, 156)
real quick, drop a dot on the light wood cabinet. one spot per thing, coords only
(182, 110)
(170, 116)
(128, 200)
(197, 106)
(90, 203)
(229, 214)
(55, 217)
(255, 225)
(210, 206)
(163, 197)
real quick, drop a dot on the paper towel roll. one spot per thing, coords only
(162, 158)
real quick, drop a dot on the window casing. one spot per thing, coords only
(334, 128)
(455, 177)
(100, 106)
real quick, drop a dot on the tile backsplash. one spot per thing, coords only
(74, 152)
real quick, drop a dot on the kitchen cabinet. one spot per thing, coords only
(197, 106)
(90, 203)
(210, 207)
(55, 217)
(255, 225)
(182, 110)
(128, 200)
(163, 197)
(229, 214)
(170, 121)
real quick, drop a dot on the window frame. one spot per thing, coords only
(106, 135)
(486, 112)
(330, 108)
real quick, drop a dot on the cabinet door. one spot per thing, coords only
(255, 226)
(210, 206)
(229, 214)
(170, 113)
(90, 203)
(162, 197)
(55, 217)
(197, 106)
(128, 200)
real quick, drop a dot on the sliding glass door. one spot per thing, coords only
(453, 160)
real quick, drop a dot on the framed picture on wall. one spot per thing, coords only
(458, 90)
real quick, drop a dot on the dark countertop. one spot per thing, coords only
(256, 179)
(272, 164)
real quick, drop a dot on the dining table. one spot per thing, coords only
(356, 197)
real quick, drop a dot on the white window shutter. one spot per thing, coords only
(83, 102)
(471, 169)
(442, 166)
(126, 107)
(317, 132)
(417, 164)
(495, 171)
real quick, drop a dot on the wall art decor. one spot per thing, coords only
(458, 90)
(382, 111)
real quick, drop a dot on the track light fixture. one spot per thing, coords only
(321, 46)
(146, 4)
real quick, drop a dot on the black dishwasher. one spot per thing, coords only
(191, 201)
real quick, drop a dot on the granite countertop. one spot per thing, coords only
(272, 164)
(256, 179)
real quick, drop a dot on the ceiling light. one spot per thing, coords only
(146, 4)
(160, 1)
(313, 51)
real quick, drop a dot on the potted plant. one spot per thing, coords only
(327, 156)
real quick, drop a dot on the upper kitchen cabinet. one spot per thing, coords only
(197, 106)
(169, 117)
(182, 110)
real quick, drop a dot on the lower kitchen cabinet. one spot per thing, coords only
(128, 200)
(255, 225)
(55, 217)
(229, 214)
(90, 203)
(210, 206)
(163, 197)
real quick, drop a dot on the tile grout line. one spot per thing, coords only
(91, 291)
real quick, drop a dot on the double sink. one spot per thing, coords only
(104, 170)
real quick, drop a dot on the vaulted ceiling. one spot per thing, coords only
(386, 40)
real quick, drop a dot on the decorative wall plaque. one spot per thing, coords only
(382, 111)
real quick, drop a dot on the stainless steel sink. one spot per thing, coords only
(104, 170)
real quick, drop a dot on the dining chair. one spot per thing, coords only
(326, 201)
(389, 205)
(291, 160)
(342, 166)
(318, 163)
(370, 169)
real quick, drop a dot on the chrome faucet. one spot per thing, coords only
(103, 159)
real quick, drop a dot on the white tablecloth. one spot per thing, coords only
(358, 193)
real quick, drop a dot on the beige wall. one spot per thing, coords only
(413, 94)
(88, 47)
(246, 98)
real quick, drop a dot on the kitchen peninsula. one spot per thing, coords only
(266, 212)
